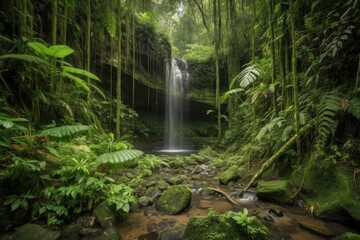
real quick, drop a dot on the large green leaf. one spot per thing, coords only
(77, 80)
(120, 156)
(80, 72)
(59, 51)
(65, 131)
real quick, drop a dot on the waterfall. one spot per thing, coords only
(177, 81)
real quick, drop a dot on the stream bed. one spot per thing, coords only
(284, 222)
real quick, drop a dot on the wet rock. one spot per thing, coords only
(162, 185)
(152, 192)
(109, 234)
(177, 179)
(317, 227)
(240, 193)
(104, 215)
(276, 212)
(149, 236)
(174, 200)
(206, 191)
(275, 191)
(231, 174)
(87, 232)
(36, 232)
(150, 212)
(145, 201)
(268, 218)
(151, 227)
(72, 230)
(199, 159)
(150, 183)
(175, 233)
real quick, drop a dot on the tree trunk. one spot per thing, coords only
(279, 153)
(294, 79)
(272, 48)
(88, 37)
(118, 84)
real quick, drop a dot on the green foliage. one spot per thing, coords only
(17, 201)
(199, 53)
(121, 196)
(120, 157)
(247, 76)
(148, 163)
(251, 225)
(65, 132)
(57, 51)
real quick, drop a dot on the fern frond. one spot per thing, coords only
(354, 107)
(25, 57)
(278, 121)
(121, 156)
(329, 107)
(246, 76)
(226, 95)
(65, 132)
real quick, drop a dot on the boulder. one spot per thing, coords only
(87, 232)
(109, 234)
(231, 174)
(36, 232)
(104, 215)
(174, 233)
(177, 179)
(220, 227)
(145, 201)
(162, 185)
(275, 191)
(174, 200)
(152, 192)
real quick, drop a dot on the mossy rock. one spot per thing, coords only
(349, 236)
(104, 215)
(212, 228)
(174, 200)
(34, 231)
(223, 227)
(207, 152)
(231, 174)
(178, 179)
(275, 191)
(109, 234)
(152, 192)
(330, 191)
(162, 185)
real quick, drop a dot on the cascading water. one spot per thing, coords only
(177, 78)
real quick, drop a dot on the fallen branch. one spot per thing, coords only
(40, 154)
(226, 195)
(278, 154)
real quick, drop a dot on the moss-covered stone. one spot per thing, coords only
(104, 215)
(224, 227)
(174, 200)
(109, 234)
(162, 185)
(178, 179)
(349, 236)
(275, 191)
(231, 174)
(152, 192)
(35, 231)
(212, 228)
(329, 191)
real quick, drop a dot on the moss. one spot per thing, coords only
(212, 227)
(231, 174)
(174, 200)
(178, 179)
(349, 236)
(331, 191)
(275, 191)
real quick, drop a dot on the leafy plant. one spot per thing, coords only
(65, 132)
(20, 200)
(119, 157)
(253, 228)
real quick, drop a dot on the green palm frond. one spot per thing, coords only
(327, 122)
(65, 132)
(246, 76)
(121, 156)
(226, 95)
(354, 107)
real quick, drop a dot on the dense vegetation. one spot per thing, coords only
(284, 76)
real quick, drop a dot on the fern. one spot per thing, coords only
(25, 57)
(64, 132)
(246, 76)
(121, 156)
(278, 121)
(354, 107)
(329, 107)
